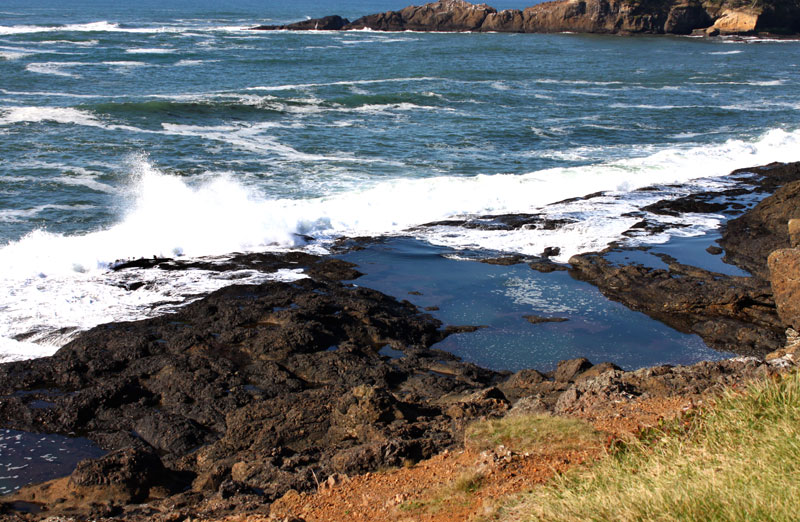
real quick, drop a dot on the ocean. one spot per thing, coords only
(168, 129)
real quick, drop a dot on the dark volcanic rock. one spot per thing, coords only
(327, 23)
(264, 388)
(734, 314)
(127, 474)
(749, 239)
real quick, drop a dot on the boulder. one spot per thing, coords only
(737, 21)
(568, 370)
(784, 268)
(124, 476)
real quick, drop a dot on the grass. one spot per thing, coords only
(739, 460)
(457, 493)
(528, 433)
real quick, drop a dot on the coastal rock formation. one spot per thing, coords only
(750, 238)
(734, 314)
(251, 391)
(730, 313)
(584, 16)
(784, 268)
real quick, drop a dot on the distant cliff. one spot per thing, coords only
(585, 16)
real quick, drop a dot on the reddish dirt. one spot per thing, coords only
(435, 490)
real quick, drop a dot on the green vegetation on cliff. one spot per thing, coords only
(739, 460)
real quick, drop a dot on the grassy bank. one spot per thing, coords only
(739, 460)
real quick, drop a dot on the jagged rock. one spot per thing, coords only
(587, 16)
(568, 370)
(737, 21)
(125, 476)
(523, 383)
(784, 268)
(444, 16)
(528, 406)
(327, 23)
(730, 313)
(596, 370)
(749, 239)
(794, 233)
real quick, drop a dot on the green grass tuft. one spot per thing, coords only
(739, 460)
(532, 433)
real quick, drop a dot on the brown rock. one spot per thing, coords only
(784, 268)
(442, 16)
(794, 233)
(597, 369)
(569, 369)
(737, 21)
(749, 239)
(523, 383)
(508, 21)
(124, 476)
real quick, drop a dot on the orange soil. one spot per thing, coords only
(436, 490)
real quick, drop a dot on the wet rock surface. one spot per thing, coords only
(730, 313)
(253, 390)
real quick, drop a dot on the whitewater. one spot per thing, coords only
(175, 132)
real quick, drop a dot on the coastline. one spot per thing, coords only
(621, 17)
(206, 399)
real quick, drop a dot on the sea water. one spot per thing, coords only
(169, 129)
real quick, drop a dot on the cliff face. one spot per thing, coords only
(584, 16)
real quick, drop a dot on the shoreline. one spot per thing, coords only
(206, 399)
(586, 16)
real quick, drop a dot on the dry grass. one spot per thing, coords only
(530, 433)
(739, 460)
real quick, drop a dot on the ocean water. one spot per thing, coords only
(169, 129)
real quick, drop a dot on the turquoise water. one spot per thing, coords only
(168, 129)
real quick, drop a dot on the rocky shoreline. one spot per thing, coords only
(259, 390)
(683, 17)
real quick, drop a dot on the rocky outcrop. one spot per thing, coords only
(784, 267)
(585, 16)
(750, 238)
(328, 23)
(736, 314)
(249, 392)
(442, 16)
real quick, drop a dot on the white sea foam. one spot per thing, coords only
(113, 27)
(186, 63)
(126, 63)
(253, 138)
(54, 68)
(55, 281)
(721, 53)
(10, 115)
(13, 55)
(153, 50)
(17, 215)
(287, 87)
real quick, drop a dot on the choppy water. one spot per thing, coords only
(167, 129)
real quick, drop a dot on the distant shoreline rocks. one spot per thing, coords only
(683, 17)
